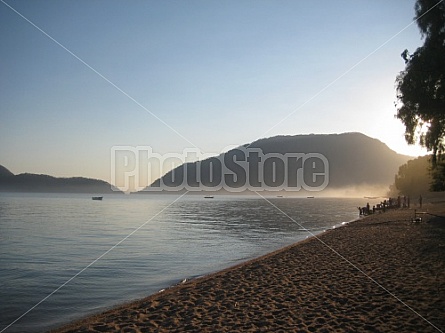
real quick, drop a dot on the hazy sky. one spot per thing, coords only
(219, 73)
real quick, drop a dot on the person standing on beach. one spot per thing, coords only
(420, 201)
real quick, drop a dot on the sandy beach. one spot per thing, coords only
(381, 273)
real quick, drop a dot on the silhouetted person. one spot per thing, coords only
(408, 201)
(420, 201)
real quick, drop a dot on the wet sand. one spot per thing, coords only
(379, 274)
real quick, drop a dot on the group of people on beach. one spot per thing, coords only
(390, 203)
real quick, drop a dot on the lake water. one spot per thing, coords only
(153, 242)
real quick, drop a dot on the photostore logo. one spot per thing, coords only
(141, 169)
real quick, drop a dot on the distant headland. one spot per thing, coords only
(355, 163)
(28, 182)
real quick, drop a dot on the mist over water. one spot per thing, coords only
(46, 239)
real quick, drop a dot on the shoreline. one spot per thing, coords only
(370, 274)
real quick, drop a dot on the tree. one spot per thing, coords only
(438, 176)
(421, 86)
(413, 178)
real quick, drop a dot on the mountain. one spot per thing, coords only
(347, 162)
(27, 182)
(5, 172)
(354, 158)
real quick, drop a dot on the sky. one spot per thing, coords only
(78, 78)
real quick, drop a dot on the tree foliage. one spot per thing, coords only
(438, 175)
(421, 86)
(413, 178)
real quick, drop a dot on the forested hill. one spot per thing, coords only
(355, 160)
(27, 182)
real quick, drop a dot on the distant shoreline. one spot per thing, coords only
(323, 282)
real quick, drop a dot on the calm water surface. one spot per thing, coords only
(127, 247)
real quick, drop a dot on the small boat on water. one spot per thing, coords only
(310, 197)
(97, 198)
(208, 197)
